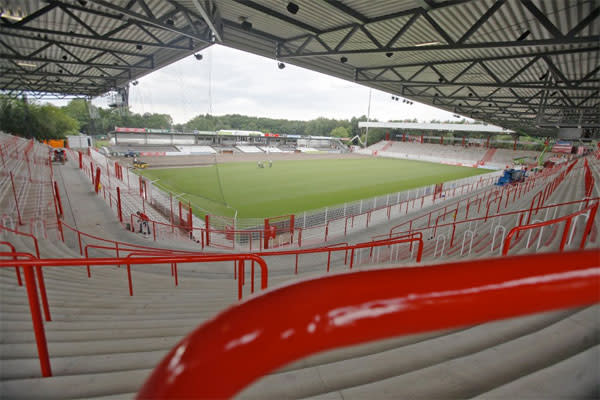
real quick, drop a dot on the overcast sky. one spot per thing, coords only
(243, 83)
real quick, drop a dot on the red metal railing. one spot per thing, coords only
(28, 262)
(38, 270)
(316, 315)
(454, 224)
(567, 219)
(589, 179)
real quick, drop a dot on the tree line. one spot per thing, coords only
(44, 121)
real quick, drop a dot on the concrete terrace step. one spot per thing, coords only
(379, 366)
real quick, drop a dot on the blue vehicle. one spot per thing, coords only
(511, 176)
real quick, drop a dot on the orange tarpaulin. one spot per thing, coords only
(55, 143)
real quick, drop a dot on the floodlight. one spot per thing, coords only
(198, 56)
(344, 60)
(281, 65)
(388, 55)
(292, 7)
(246, 25)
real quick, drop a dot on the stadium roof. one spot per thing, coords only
(423, 126)
(528, 65)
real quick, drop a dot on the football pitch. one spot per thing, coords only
(294, 186)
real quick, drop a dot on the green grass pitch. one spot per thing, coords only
(294, 186)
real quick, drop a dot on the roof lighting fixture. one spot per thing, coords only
(13, 15)
(427, 44)
(198, 56)
(544, 76)
(134, 83)
(280, 65)
(170, 22)
(64, 58)
(246, 25)
(139, 46)
(344, 60)
(292, 8)
(523, 35)
(440, 80)
(82, 2)
(389, 54)
(23, 64)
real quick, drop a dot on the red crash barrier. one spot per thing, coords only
(295, 321)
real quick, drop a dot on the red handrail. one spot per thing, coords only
(13, 250)
(38, 271)
(568, 218)
(387, 235)
(34, 308)
(33, 262)
(316, 315)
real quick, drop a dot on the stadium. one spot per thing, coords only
(442, 261)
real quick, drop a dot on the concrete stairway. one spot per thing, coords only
(103, 343)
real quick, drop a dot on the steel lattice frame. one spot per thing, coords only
(526, 65)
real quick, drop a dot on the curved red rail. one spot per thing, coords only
(567, 218)
(292, 322)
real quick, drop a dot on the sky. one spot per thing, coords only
(229, 81)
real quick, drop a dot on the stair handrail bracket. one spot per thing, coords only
(292, 322)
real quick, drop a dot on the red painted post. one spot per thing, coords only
(80, 159)
(267, 234)
(240, 278)
(58, 200)
(119, 209)
(206, 223)
(129, 279)
(296, 268)
(97, 180)
(12, 181)
(36, 318)
(565, 234)
(180, 216)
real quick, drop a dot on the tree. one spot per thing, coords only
(78, 110)
(340, 131)
(35, 121)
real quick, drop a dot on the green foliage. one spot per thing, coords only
(295, 186)
(317, 127)
(20, 118)
(340, 131)
(109, 118)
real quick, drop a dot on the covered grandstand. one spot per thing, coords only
(462, 289)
